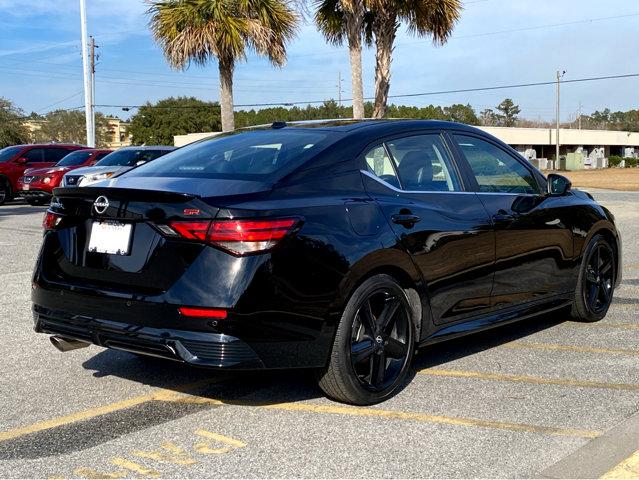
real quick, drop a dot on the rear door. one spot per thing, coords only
(439, 223)
(534, 240)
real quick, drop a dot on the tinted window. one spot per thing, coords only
(34, 155)
(379, 164)
(54, 155)
(238, 155)
(100, 156)
(8, 153)
(74, 158)
(494, 169)
(130, 157)
(424, 164)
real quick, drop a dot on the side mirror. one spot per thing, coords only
(21, 161)
(558, 185)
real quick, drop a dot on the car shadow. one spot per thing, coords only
(18, 207)
(285, 386)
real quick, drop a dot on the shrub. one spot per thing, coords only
(614, 160)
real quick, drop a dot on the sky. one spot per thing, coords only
(496, 42)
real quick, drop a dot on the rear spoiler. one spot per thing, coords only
(131, 194)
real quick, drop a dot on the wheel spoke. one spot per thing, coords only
(367, 318)
(395, 349)
(360, 351)
(387, 316)
(605, 291)
(590, 276)
(593, 293)
(379, 370)
(605, 268)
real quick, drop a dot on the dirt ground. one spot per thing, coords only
(612, 178)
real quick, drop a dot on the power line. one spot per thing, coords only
(406, 95)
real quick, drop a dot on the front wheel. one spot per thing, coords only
(5, 192)
(595, 285)
(374, 344)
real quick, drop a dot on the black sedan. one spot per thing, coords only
(338, 246)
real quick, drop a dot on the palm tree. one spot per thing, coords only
(434, 18)
(340, 19)
(198, 30)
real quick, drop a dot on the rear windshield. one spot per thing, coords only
(8, 153)
(74, 158)
(129, 158)
(239, 155)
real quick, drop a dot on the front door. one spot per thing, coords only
(534, 241)
(444, 228)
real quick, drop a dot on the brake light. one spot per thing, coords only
(239, 237)
(203, 312)
(50, 221)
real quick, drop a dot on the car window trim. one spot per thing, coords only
(489, 140)
(413, 133)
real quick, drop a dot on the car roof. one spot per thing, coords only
(352, 125)
(148, 147)
(51, 145)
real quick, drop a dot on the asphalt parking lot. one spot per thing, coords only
(543, 398)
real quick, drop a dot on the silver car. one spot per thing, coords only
(114, 164)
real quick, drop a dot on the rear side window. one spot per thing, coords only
(379, 164)
(54, 155)
(494, 169)
(423, 164)
(253, 154)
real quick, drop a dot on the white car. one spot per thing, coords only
(114, 164)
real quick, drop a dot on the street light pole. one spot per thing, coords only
(88, 95)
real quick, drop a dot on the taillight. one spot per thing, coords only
(240, 237)
(202, 312)
(50, 221)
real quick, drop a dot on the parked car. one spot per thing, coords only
(37, 184)
(116, 163)
(339, 246)
(15, 160)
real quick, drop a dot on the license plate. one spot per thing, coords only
(110, 237)
(25, 186)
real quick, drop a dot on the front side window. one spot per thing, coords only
(34, 155)
(494, 169)
(423, 164)
(54, 155)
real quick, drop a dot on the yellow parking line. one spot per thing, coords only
(569, 348)
(527, 379)
(619, 325)
(629, 468)
(160, 395)
(425, 417)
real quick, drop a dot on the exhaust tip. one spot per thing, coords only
(67, 344)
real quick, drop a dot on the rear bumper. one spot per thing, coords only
(213, 350)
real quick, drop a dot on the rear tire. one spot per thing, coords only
(596, 282)
(5, 192)
(374, 344)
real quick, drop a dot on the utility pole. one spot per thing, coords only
(579, 115)
(559, 77)
(93, 46)
(339, 88)
(88, 91)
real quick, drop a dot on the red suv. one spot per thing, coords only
(38, 183)
(15, 160)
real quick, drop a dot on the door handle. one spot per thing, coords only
(405, 219)
(502, 216)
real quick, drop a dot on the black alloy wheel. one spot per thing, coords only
(596, 283)
(374, 344)
(597, 288)
(379, 340)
